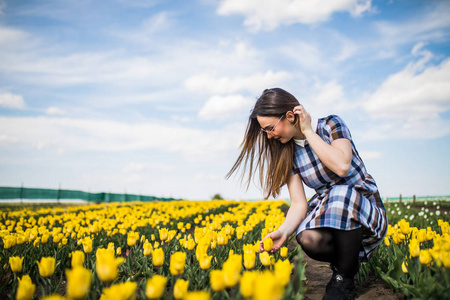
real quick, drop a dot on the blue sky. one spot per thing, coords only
(153, 96)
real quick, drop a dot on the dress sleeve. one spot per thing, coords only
(337, 129)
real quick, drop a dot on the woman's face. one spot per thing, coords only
(280, 129)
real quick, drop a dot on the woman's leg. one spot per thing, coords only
(339, 247)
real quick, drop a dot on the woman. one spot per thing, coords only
(345, 220)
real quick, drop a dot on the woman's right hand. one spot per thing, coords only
(278, 239)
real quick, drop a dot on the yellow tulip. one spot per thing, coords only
(268, 244)
(26, 288)
(177, 263)
(249, 260)
(190, 244)
(46, 266)
(282, 271)
(222, 238)
(180, 288)
(15, 262)
(217, 280)
(87, 244)
(283, 251)
(125, 290)
(147, 248)
(414, 248)
(119, 251)
(158, 257)
(205, 262)
(132, 238)
(198, 295)
(446, 260)
(247, 286)
(78, 282)
(155, 287)
(267, 287)
(163, 234)
(386, 241)
(404, 268)
(425, 257)
(404, 226)
(232, 270)
(264, 257)
(77, 258)
(106, 265)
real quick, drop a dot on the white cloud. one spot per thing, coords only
(329, 94)
(52, 110)
(370, 155)
(224, 107)
(413, 99)
(268, 15)
(69, 134)
(254, 83)
(9, 100)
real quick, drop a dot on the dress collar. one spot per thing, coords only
(303, 143)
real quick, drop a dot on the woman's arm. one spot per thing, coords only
(294, 216)
(337, 157)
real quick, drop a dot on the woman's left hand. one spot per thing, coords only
(305, 119)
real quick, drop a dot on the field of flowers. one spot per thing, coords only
(158, 250)
(415, 256)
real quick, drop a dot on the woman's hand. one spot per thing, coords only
(305, 119)
(278, 239)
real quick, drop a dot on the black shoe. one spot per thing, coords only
(340, 288)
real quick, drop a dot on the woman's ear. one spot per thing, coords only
(291, 117)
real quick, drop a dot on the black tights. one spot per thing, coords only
(339, 247)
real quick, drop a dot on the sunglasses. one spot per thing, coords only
(273, 128)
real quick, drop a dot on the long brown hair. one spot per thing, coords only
(273, 160)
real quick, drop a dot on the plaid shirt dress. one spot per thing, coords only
(343, 203)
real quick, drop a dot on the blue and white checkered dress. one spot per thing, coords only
(343, 203)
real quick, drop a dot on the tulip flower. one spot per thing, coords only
(106, 265)
(53, 297)
(283, 251)
(205, 262)
(232, 269)
(404, 226)
(404, 268)
(249, 260)
(180, 288)
(386, 241)
(15, 262)
(87, 244)
(119, 251)
(268, 244)
(132, 238)
(125, 290)
(282, 271)
(414, 248)
(425, 257)
(267, 287)
(148, 248)
(155, 287)
(78, 282)
(163, 234)
(177, 262)
(222, 238)
(446, 260)
(217, 280)
(46, 266)
(158, 257)
(77, 258)
(198, 295)
(247, 285)
(26, 288)
(264, 257)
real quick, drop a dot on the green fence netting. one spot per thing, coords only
(11, 193)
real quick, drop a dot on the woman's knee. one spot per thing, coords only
(314, 238)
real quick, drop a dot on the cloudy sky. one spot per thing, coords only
(153, 96)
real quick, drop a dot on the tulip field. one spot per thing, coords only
(157, 250)
(197, 250)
